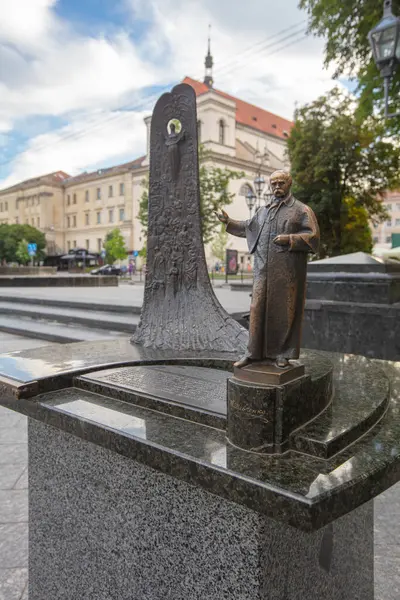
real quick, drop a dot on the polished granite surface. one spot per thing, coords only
(304, 491)
(52, 361)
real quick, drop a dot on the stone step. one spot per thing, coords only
(79, 305)
(54, 331)
(72, 316)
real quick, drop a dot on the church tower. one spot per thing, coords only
(208, 79)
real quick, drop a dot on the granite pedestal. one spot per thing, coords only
(136, 492)
(106, 527)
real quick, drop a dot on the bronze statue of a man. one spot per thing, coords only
(280, 235)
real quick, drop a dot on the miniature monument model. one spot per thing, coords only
(159, 470)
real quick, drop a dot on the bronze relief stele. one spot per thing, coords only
(180, 310)
(280, 235)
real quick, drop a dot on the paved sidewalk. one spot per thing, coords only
(14, 490)
(125, 294)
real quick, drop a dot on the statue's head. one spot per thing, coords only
(280, 182)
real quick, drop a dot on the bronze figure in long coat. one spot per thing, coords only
(280, 235)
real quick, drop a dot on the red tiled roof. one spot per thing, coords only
(248, 114)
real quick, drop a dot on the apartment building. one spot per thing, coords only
(37, 202)
(382, 232)
(97, 202)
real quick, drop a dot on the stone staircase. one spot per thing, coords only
(65, 321)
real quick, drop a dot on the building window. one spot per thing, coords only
(98, 218)
(389, 223)
(74, 221)
(38, 221)
(68, 199)
(388, 239)
(221, 126)
(199, 131)
(98, 244)
(122, 214)
(74, 243)
(33, 222)
(87, 244)
(388, 206)
(68, 246)
(1, 207)
(16, 220)
(121, 189)
(87, 196)
(74, 199)
(397, 222)
(98, 193)
(111, 215)
(68, 222)
(6, 206)
(398, 206)
(376, 240)
(87, 219)
(110, 191)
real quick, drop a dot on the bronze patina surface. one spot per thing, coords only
(267, 374)
(280, 235)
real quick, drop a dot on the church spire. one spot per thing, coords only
(208, 79)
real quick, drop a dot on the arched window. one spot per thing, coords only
(245, 189)
(221, 126)
(199, 131)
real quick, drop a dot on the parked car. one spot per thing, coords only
(106, 270)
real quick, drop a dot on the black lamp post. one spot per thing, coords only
(250, 201)
(385, 44)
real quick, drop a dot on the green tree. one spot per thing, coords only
(220, 243)
(114, 245)
(335, 158)
(356, 230)
(11, 235)
(214, 194)
(345, 25)
(22, 253)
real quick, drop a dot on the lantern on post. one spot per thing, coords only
(385, 43)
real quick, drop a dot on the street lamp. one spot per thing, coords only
(385, 44)
(250, 200)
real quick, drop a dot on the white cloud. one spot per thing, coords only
(271, 75)
(108, 137)
(47, 69)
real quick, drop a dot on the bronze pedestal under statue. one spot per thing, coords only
(280, 235)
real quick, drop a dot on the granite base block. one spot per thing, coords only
(103, 526)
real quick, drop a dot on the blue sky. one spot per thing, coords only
(77, 77)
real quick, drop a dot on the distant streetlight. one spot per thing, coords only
(250, 201)
(385, 44)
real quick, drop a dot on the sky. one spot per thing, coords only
(77, 77)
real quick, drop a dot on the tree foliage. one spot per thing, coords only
(21, 253)
(214, 194)
(345, 25)
(114, 245)
(220, 243)
(341, 168)
(12, 235)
